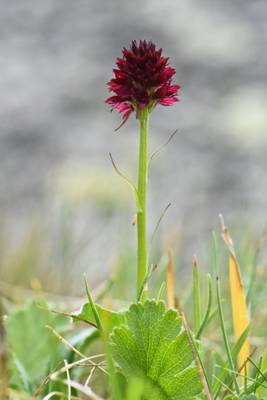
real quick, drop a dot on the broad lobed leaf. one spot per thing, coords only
(153, 345)
(109, 319)
(34, 349)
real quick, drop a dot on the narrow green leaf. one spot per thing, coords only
(260, 381)
(130, 183)
(196, 295)
(225, 338)
(208, 309)
(92, 304)
(234, 351)
(156, 152)
(162, 291)
(261, 391)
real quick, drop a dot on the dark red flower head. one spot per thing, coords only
(143, 78)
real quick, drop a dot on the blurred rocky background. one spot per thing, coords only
(63, 208)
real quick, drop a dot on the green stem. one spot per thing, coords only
(141, 215)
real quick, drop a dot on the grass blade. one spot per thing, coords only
(219, 302)
(92, 304)
(170, 280)
(234, 351)
(238, 298)
(196, 294)
(225, 338)
(208, 309)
